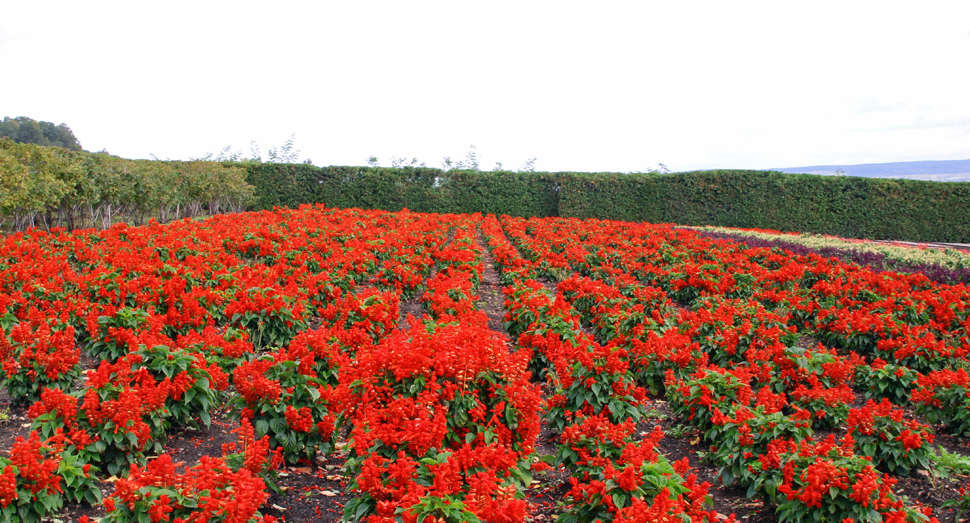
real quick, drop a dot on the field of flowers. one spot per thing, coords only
(813, 386)
(942, 263)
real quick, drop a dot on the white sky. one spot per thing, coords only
(591, 86)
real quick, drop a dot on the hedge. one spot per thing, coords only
(853, 207)
(419, 189)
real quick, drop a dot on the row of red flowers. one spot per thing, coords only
(594, 407)
(444, 418)
(731, 327)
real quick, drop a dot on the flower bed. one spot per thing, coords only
(295, 317)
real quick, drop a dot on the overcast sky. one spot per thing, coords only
(591, 86)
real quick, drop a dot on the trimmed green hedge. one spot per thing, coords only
(852, 207)
(416, 188)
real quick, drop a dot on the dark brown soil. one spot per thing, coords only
(313, 491)
(491, 301)
(14, 422)
(409, 309)
(549, 487)
(682, 441)
(550, 285)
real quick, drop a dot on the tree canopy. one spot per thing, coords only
(27, 130)
(56, 187)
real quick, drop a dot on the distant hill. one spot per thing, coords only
(937, 171)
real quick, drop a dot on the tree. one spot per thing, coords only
(26, 130)
(400, 163)
(529, 166)
(470, 162)
(45, 177)
(286, 153)
(471, 159)
(661, 169)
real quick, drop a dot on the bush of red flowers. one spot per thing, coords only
(210, 491)
(114, 330)
(895, 444)
(117, 419)
(196, 385)
(944, 397)
(740, 439)
(827, 480)
(284, 399)
(38, 476)
(883, 380)
(37, 355)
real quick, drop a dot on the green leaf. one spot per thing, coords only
(93, 496)
(362, 509)
(618, 500)
(278, 425)
(261, 427)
